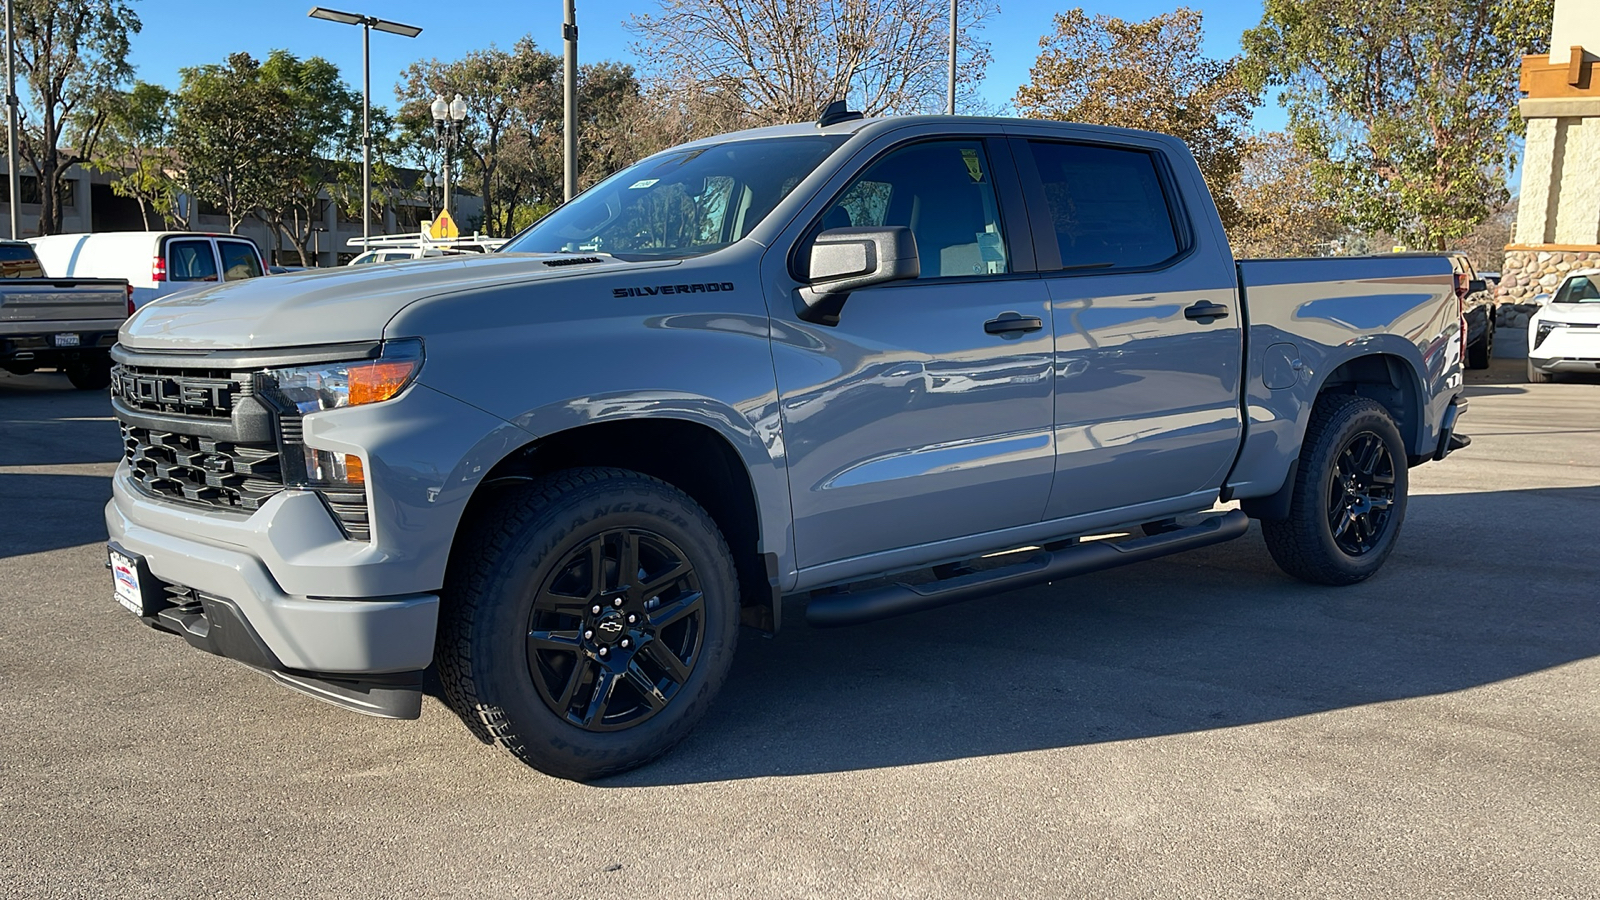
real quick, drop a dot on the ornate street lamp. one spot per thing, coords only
(449, 117)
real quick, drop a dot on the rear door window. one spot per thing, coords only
(239, 260)
(191, 260)
(1107, 205)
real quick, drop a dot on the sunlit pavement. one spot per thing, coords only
(1197, 726)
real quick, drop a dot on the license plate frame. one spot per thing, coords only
(132, 584)
(67, 340)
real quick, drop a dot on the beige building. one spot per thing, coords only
(1558, 216)
(90, 205)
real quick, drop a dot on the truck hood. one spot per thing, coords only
(335, 306)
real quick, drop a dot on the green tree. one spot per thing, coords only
(236, 136)
(72, 55)
(135, 146)
(1151, 75)
(1408, 108)
(326, 124)
(510, 147)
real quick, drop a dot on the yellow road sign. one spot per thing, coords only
(444, 227)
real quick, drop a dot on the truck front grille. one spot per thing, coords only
(202, 470)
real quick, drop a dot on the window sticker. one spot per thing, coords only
(642, 183)
(969, 155)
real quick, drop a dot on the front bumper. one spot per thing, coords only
(233, 564)
(1590, 365)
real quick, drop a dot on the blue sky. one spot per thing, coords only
(181, 33)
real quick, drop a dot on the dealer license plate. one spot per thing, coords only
(66, 340)
(125, 582)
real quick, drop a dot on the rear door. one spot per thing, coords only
(240, 259)
(1146, 388)
(907, 421)
(191, 262)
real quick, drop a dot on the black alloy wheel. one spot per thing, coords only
(1348, 498)
(588, 618)
(1361, 494)
(616, 629)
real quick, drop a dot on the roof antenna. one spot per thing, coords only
(836, 112)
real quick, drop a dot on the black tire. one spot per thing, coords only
(1479, 354)
(1331, 536)
(1537, 377)
(526, 564)
(90, 374)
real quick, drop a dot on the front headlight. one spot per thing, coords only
(1544, 331)
(298, 391)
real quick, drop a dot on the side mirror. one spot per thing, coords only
(846, 259)
(1541, 299)
(1476, 285)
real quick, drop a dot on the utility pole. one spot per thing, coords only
(13, 175)
(951, 108)
(569, 120)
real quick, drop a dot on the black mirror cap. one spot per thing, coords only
(843, 259)
(846, 259)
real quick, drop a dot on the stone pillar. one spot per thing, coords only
(1558, 215)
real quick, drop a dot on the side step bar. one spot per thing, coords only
(889, 600)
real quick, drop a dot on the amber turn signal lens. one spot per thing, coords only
(377, 381)
(353, 473)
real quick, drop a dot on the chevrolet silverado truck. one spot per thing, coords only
(62, 323)
(847, 362)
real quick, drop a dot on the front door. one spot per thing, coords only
(908, 421)
(1147, 388)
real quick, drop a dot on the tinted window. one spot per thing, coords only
(190, 261)
(239, 260)
(681, 203)
(943, 192)
(1106, 205)
(1578, 289)
(18, 261)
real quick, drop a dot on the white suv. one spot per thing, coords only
(1564, 335)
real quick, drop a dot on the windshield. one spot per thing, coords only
(680, 203)
(1578, 289)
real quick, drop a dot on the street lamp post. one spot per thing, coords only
(448, 119)
(429, 182)
(569, 101)
(367, 23)
(952, 100)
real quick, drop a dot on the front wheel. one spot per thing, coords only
(1480, 352)
(1349, 496)
(589, 618)
(1537, 377)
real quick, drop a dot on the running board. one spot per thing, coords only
(875, 603)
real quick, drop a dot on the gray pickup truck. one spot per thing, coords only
(847, 362)
(61, 323)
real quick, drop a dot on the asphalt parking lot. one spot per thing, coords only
(1194, 727)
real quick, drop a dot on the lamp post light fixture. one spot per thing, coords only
(429, 183)
(449, 117)
(367, 23)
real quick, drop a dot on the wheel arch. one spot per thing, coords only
(688, 454)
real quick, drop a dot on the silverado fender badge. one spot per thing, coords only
(710, 287)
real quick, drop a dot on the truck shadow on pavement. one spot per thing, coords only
(66, 444)
(1211, 639)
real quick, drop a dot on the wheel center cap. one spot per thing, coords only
(610, 628)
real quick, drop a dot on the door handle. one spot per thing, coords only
(1013, 323)
(1205, 312)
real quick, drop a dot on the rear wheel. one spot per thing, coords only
(1349, 495)
(1537, 377)
(590, 617)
